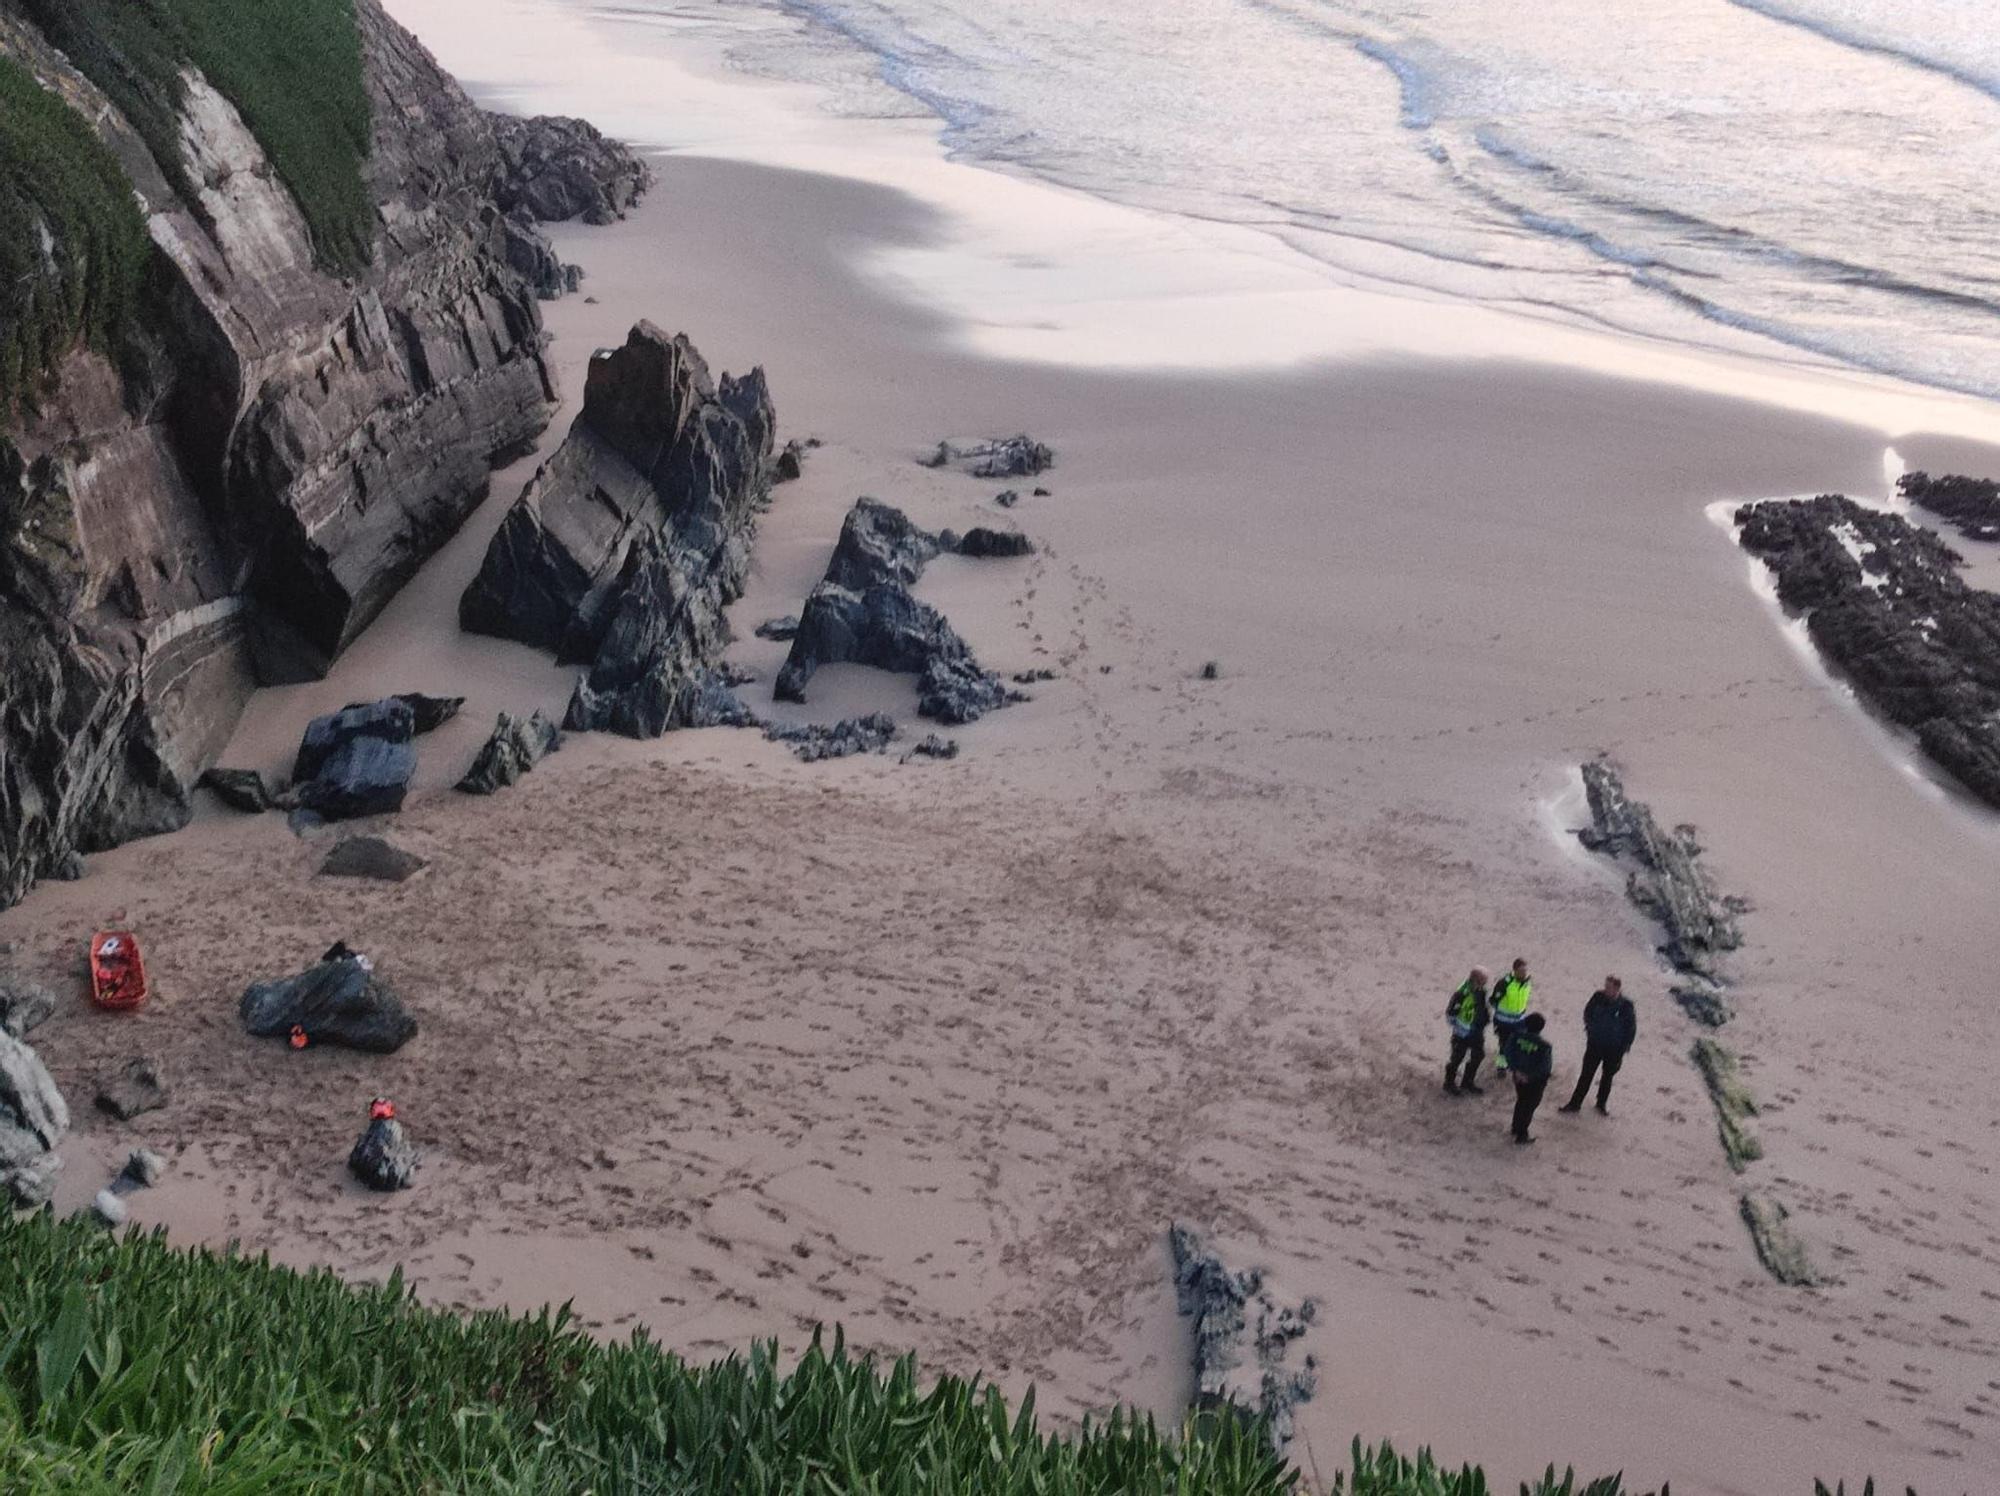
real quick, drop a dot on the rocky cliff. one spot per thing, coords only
(239, 486)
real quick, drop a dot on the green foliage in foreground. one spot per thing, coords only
(131, 1367)
(136, 1368)
(292, 68)
(73, 248)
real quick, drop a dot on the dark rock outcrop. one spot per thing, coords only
(338, 1000)
(383, 1157)
(1885, 604)
(999, 457)
(517, 745)
(815, 741)
(630, 541)
(934, 747)
(33, 1118)
(1971, 504)
(23, 1005)
(1243, 1341)
(245, 498)
(864, 613)
(372, 857)
(356, 762)
(1778, 1247)
(779, 630)
(1705, 1004)
(1669, 882)
(982, 543)
(555, 168)
(534, 259)
(239, 789)
(136, 1088)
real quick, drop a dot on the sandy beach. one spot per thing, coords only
(726, 1046)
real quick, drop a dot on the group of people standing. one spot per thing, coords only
(1610, 1025)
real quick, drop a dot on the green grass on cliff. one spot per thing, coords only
(131, 1367)
(73, 246)
(292, 68)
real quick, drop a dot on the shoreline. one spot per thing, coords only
(1153, 946)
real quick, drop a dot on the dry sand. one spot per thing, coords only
(727, 1046)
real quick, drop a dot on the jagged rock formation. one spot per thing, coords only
(1704, 1003)
(556, 168)
(1001, 457)
(517, 745)
(244, 497)
(982, 543)
(813, 742)
(33, 1118)
(1669, 883)
(338, 1000)
(535, 260)
(1243, 1340)
(1971, 504)
(863, 613)
(630, 541)
(1885, 605)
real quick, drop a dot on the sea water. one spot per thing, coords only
(1821, 174)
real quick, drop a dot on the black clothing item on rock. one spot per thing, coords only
(1593, 1058)
(1527, 1096)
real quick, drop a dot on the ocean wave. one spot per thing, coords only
(1876, 45)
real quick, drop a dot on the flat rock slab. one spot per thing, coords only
(372, 857)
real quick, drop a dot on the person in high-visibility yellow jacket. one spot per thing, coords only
(1513, 995)
(1465, 1010)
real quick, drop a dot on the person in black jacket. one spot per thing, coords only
(1530, 1058)
(1610, 1025)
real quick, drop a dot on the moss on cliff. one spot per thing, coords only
(292, 68)
(73, 246)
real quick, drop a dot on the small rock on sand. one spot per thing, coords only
(109, 1209)
(372, 857)
(142, 1170)
(23, 1005)
(136, 1088)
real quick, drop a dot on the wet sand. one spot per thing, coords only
(726, 1045)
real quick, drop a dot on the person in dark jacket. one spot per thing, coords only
(1610, 1025)
(1530, 1059)
(1466, 1011)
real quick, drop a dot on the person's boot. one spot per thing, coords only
(1603, 1110)
(1573, 1106)
(1450, 1084)
(1466, 1086)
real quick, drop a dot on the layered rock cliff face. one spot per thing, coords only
(627, 545)
(241, 498)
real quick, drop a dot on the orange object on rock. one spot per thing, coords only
(381, 1109)
(299, 1040)
(117, 970)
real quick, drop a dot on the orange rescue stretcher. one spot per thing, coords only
(117, 970)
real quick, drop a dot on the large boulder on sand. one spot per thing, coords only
(356, 761)
(630, 541)
(339, 1000)
(33, 1118)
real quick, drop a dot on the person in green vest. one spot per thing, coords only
(1512, 996)
(1466, 1012)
